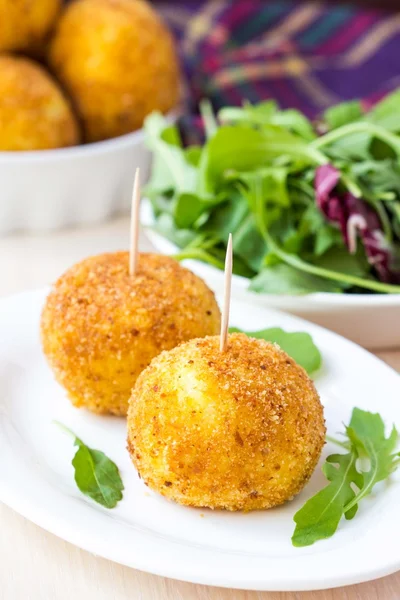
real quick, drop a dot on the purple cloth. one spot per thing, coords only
(304, 55)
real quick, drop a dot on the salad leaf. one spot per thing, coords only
(189, 207)
(320, 516)
(367, 435)
(267, 113)
(95, 474)
(242, 148)
(339, 260)
(342, 114)
(258, 115)
(171, 169)
(165, 225)
(386, 112)
(287, 280)
(367, 446)
(299, 345)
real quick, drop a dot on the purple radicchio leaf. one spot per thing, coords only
(355, 218)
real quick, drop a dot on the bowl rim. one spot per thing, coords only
(89, 149)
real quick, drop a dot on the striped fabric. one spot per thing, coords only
(305, 55)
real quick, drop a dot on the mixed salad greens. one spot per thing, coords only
(312, 206)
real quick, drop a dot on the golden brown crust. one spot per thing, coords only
(100, 327)
(34, 114)
(25, 25)
(117, 60)
(239, 430)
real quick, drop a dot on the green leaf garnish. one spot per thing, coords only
(285, 279)
(342, 114)
(299, 345)
(95, 474)
(367, 445)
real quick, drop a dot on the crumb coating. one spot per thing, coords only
(34, 113)
(236, 430)
(118, 61)
(25, 24)
(101, 327)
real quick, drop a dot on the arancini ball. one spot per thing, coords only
(117, 60)
(25, 24)
(34, 113)
(101, 327)
(238, 430)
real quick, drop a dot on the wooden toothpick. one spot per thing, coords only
(133, 249)
(227, 297)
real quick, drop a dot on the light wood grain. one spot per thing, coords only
(35, 565)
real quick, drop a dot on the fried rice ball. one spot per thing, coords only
(238, 430)
(101, 327)
(25, 24)
(34, 113)
(118, 62)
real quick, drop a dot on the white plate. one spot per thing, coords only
(371, 320)
(145, 531)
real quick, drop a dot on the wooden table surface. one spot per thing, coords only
(35, 565)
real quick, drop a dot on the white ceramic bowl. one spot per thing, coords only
(50, 189)
(371, 320)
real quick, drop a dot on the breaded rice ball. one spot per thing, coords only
(34, 113)
(25, 24)
(101, 327)
(118, 62)
(238, 430)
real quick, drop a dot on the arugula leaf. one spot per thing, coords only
(241, 148)
(386, 112)
(296, 122)
(267, 113)
(165, 225)
(214, 256)
(95, 474)
(193, 155)
(189, 207)
(359, 127)
(338, 259)
(367, 434)
(259, 114)
(349, 148)
(312, 223)
(378, 179)
(284, 279)
(298, 344)
(249, 243)
(325, 238)
(342, 114)
(320, 516)
(273, 182)
(171, 169)
(234, 216)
